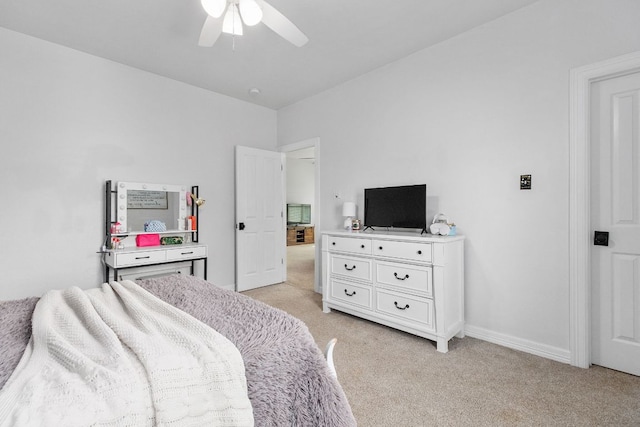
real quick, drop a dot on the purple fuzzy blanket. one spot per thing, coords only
(288, 379)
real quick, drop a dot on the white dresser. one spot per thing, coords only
(403, 280)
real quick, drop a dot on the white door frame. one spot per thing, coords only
(307, 143)
(579, 198)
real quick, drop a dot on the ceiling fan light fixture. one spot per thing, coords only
(251, 12)
(214, 8)
(232, 23)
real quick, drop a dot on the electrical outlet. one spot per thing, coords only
(525, 182)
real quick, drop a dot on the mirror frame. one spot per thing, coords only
(123, 187)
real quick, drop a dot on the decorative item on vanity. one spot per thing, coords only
(441, 226)
(349, 211)
(155, 226)
(171, 240)
(356, 224)
(198, 200)
(147, 240)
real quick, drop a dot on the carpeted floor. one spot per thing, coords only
(395, 379)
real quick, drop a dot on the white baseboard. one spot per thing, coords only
(542, 350)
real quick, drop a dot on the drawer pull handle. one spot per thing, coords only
(143, 257)
(380, 247)
(419, 252)
(406, 276)
(349, 269)
(349, 294)
(399, 308)
(362, 246)
(333, 243)
(186, 253)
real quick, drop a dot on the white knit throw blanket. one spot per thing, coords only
(119, 356)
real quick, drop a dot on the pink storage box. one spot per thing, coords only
(148, 240)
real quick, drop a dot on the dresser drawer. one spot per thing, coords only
(355, 268)
(351, 293)
(411, 251)
(139, 257)
(410, 277)
(187, 252)
(412, 308)
(349, 244)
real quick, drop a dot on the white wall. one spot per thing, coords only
(300, 183)
(467, 117)
(69, 121)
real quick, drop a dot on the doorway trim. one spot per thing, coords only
(308, 143)
(580, 197)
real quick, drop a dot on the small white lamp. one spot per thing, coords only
(349, 211)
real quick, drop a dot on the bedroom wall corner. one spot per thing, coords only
(467, 117)
(69, 121)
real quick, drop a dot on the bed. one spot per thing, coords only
(288, 380)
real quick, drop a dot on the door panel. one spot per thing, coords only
(615, 207)
(260, 242)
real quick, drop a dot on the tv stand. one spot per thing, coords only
(300, 235)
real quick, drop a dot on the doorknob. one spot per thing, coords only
(241, 226)
(601, 238)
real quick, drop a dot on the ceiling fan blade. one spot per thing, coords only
(281, 25)
(210, 32)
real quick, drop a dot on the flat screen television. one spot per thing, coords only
(397, 207)
(298, 213)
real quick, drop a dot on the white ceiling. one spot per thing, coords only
(347, 38)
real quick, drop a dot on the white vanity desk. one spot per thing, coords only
(408, 281)
(137, 203)
(119, 259)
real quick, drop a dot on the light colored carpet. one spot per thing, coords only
(395, 379)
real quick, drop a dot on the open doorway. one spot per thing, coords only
(300, 213)
(303, 188)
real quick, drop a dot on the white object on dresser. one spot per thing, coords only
(153, 256)
(407, 281)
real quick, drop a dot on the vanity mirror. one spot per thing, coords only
(138, 203)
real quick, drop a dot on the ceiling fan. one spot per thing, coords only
(249, 12)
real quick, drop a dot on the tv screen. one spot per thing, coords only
(298, 213)
(399, 207)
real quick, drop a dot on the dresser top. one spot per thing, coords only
(390, 235)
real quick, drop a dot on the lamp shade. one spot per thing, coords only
(349, 209)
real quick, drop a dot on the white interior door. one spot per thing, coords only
(615, 208)
(260, 230)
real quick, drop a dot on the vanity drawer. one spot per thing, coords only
(411, 251)
(355, 268)
(350, 244)
(412, 308)
(139, 258)
(410, 277)
(187, 252)
(351, 293)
